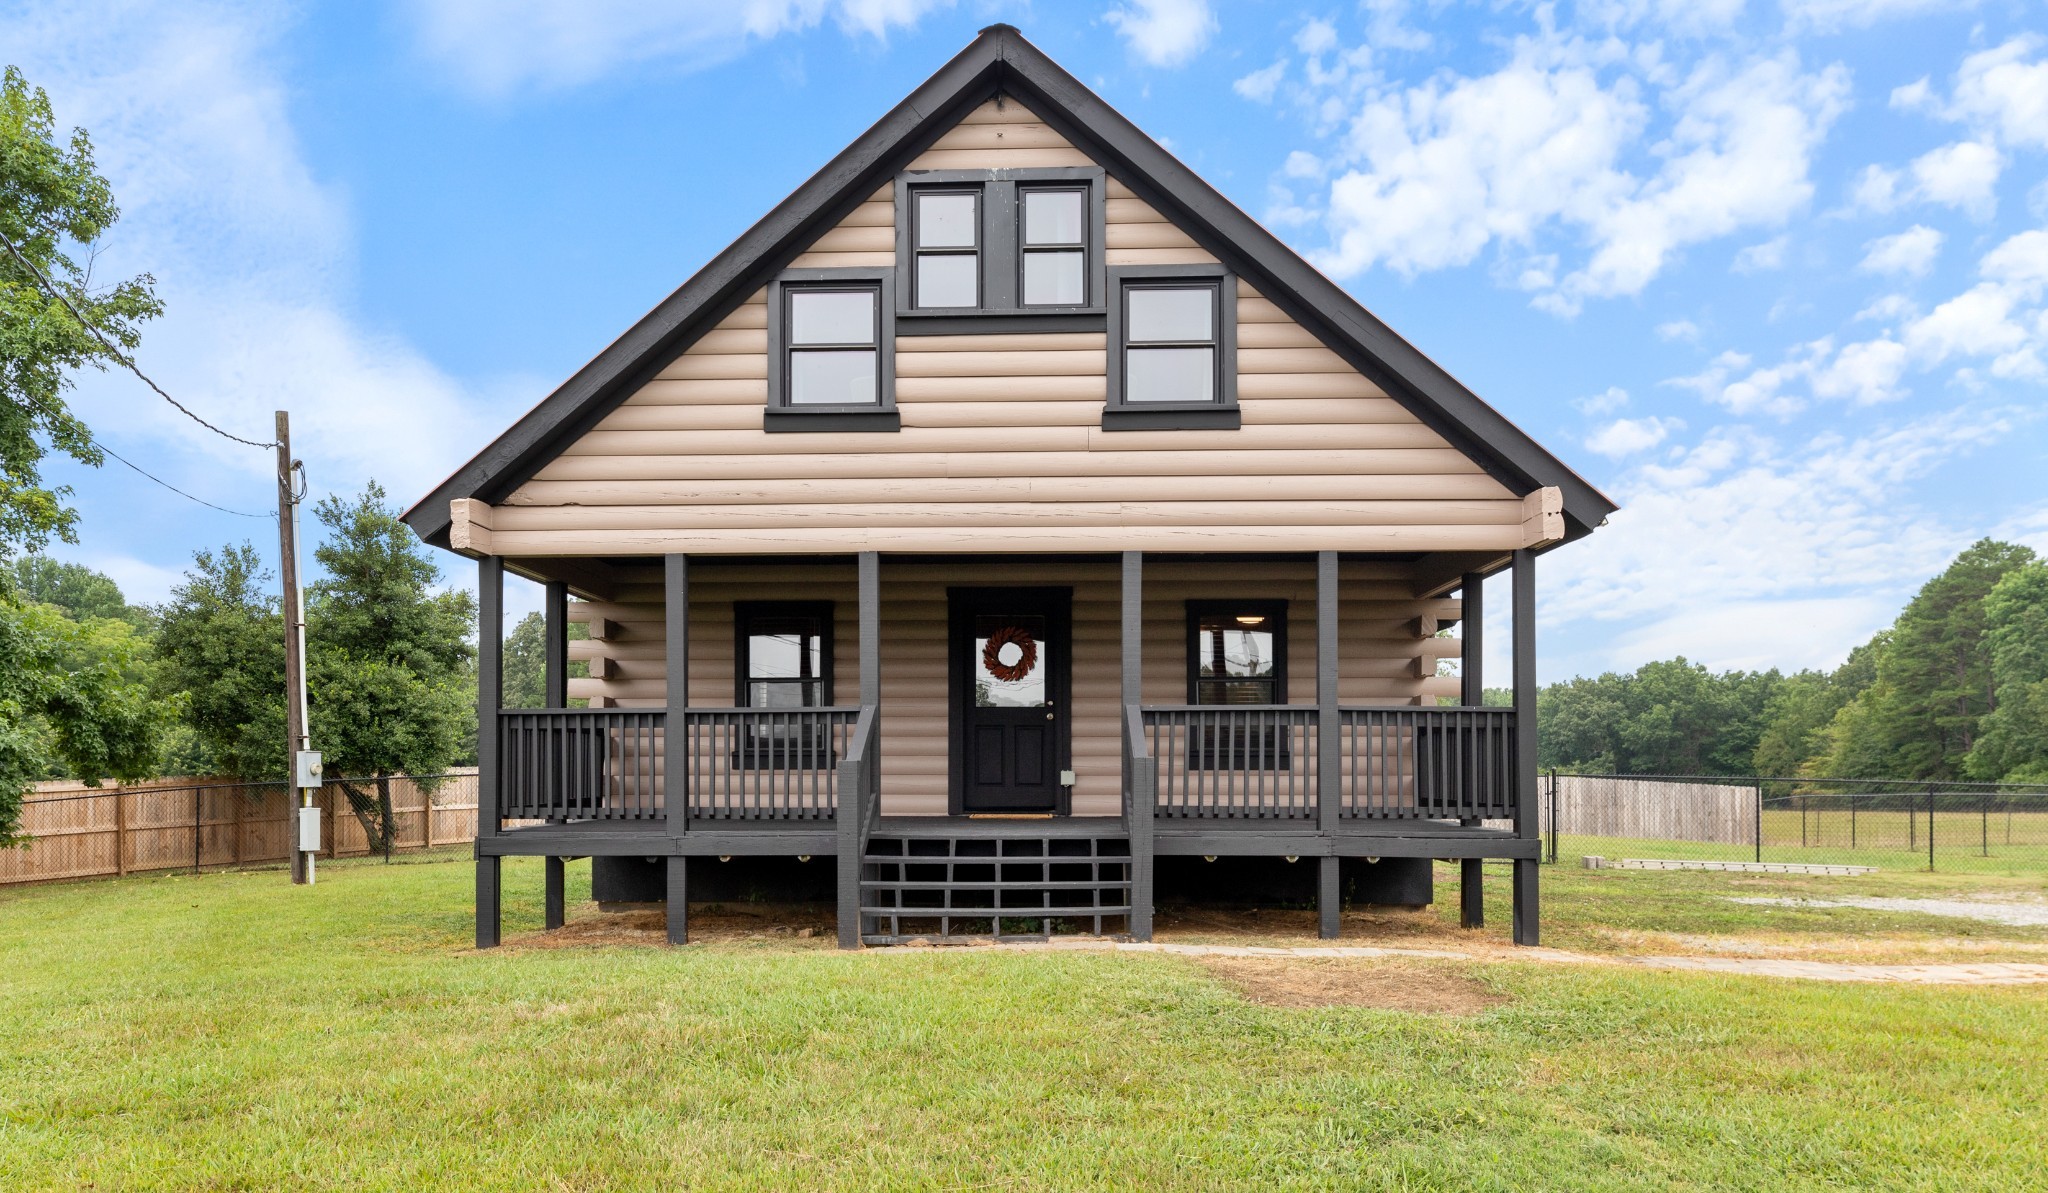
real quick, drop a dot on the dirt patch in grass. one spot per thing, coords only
(1342, 982)
(1393, 926)
(794, 924)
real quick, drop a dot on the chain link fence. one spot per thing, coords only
(1887, 823)
(86, 832)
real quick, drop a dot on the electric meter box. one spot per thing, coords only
(309, 830)
(306, 768)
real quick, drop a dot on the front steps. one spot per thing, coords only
(1013, 880)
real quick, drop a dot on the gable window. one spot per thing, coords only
(946, 232)
(831, 351)
(784, 656)
(1173, 348)
(1237, 656)
(982, 250)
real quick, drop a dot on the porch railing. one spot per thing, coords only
(766, 764)
(580, 764)
(860, 807)
(613, 764)
(1260, 762)
(1234, 761)
(1428, 763)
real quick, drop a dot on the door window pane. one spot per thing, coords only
(1011, 659)
(832, 317)
(1052, 217)
(948, 280)
(1055, 279)
(1170, 375)
(833, 378)
(1159, 313)
(946, 222)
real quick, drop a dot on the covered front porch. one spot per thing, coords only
(1094, 711)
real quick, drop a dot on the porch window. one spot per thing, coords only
(1173, 349)
(784, 652)
(1237, 656)
(978, 250)
(831, 351)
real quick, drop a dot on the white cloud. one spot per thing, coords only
(1631, 436)
(1715, 551)
(2020, 263)
(1865, 373)
(1442, 170)
(1260, 85)
(1963, 175)
(2000, 91)
(1729, 381)
(1830, 15)
(1679, 329)
(1607, 401)
(1165, 32)
(1910, 253)
(496, 47)
(1761, 258)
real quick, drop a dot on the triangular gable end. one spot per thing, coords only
(961, 111)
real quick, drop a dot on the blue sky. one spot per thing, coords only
(1770, 272)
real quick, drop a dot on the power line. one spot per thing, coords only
(173, 488)
(51, 289)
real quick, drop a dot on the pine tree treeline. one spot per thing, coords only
(1956, 688)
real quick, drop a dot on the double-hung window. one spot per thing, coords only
(1237, 655)
(1173, 348)
(784, 652)
(831, 351)
(1016, 248)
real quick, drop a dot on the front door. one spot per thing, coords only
(1008, 664)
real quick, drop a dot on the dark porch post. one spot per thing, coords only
(676, 740)
(1143, 795)
(490, 655)
(1525, 742)
(853, 806)
(1329, 896)
(556, 617)
(1472, 694)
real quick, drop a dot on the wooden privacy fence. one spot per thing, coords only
(1651, 809)
(87, 832)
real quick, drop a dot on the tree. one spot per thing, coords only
(2014, 742)
(220, 643)
(53, 207)
(390, 666)
(81, 592)
(526, 662)
(72, 697)
(1668, 717)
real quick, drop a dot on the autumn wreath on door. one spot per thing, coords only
(1021, 665)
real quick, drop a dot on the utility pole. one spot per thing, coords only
(305, 823)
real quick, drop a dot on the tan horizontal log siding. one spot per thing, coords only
(1002, 445)
(1382, 660)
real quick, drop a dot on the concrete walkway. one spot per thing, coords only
(1967, 974)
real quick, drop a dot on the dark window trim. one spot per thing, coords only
(780, 415)
(927, 324)
(1275, 609)
(744, 614)
(1221, 414)
(1002, 264)
(979, 250)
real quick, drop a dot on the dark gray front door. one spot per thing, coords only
(1010, 724)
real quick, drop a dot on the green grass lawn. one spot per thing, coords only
(230, 1032)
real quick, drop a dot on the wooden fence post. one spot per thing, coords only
(120, 831)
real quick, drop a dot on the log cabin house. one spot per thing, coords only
(1003, 526)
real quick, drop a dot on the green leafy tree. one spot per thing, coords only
(526, 662)
(1793, 738)
(391, 670)
(1668, 717)
(53, 207)
(2014, 742)
(220, 645)
(74, 698)
(81, 592)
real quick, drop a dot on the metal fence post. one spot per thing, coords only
(1553, 816)
(1759, 823)
(1984, 824)
(1930, 828)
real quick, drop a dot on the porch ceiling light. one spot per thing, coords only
(1251, 619)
